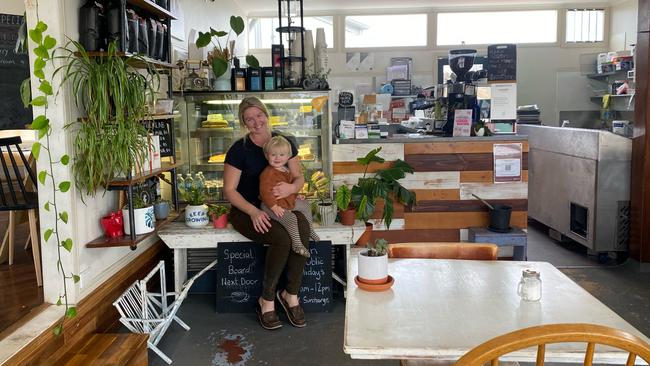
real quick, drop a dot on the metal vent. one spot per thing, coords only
(197, 259)
(623, 226)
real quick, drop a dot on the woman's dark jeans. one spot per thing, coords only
(279, 253)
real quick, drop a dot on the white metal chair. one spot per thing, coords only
(146, 312)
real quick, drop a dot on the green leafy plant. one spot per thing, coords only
(343, 197)
(43, 54)
(223, 53)
(194, 195)
(318, 186)
(111, 139)
(138, 202)
(379, 248)
(383, 184)
(217, 210)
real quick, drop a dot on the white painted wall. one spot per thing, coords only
(12, 7)
(623, 24)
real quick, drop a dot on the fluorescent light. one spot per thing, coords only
(265, 101)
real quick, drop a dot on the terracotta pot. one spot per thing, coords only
(220, 222)
(347, 216)
(366, 236)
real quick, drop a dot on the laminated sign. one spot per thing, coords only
(462, 122)
(507, 162)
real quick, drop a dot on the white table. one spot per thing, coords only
(440, 309)
(179, 237)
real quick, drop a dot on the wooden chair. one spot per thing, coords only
(19, 198)
(540, 336)
(430, 250)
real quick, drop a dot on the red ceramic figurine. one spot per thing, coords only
(113, 224)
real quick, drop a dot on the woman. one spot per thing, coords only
(244, 162)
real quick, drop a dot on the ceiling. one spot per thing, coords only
(265, 6)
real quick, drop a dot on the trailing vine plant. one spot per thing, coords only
(44, 53)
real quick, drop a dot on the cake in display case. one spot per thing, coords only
(210, 125)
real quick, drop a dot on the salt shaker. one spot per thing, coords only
(530, 285)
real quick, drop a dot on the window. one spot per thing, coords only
(585, 25)
(262, 33)
(386, 30)
(533, 26)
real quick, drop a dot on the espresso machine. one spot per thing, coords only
(460, 91)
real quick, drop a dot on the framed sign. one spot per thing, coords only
(507, 162)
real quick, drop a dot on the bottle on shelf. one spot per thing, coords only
(189, 181)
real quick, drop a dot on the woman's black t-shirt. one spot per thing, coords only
(249, 158)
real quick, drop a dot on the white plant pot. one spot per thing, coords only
(373, 269)
(145, 221)
(327, 214)
(196, 216)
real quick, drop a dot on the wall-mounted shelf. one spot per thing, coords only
(152, 8)
(165, 167)
(605, 75)
(126, 241)
(138, 62)
(157, 117)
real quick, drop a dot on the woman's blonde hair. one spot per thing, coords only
(277, 142)
(250, 102)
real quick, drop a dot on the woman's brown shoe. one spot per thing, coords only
(295, 314)
(268, 320)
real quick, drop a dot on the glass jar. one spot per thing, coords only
(530, 285)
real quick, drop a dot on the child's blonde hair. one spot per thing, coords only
(277, 142)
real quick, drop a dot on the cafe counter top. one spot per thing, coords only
(403, 138)
(447, 171)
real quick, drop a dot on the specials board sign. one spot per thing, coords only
(14, 68)
(161, 128)
(240, 271)
(502, 62)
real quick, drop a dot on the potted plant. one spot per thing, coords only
(373, 263)
(161, 209)
(142, 214)
(196, 212)
(343, 198)
(220, 59)
(219, 215)
(318, 186)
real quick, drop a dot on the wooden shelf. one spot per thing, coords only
(157, 117)
(152, 8)
(125, 241)
(141, 177)
(135, 62)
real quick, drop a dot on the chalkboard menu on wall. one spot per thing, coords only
(502, 62)
(240, 269)
(14, 68)
(161, 128)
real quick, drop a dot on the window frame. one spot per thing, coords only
(255, 50)
(427, 46)
(606, 34)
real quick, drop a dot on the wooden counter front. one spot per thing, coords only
(447, 172)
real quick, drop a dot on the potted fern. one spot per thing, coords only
(373, 263)
(143, 216)
(219, 215)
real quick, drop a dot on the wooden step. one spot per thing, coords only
(108, 349)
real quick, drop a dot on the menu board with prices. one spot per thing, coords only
(161, 128)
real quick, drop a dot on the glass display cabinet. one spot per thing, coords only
(210, 125)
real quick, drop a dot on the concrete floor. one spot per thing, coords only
(237, 339)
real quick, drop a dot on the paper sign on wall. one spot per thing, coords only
(462, 122)
(504, 101)
(507, 162)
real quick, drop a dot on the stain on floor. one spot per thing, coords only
(231, 349)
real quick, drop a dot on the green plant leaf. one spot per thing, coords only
(39, 74)
(214, 32)
(26, 92)
(75, 278)
(42, 176)
(58, 302)
(47, 234)
(64, 216)
(42, 52)
(39, 64)
(203, 40)
(36, 149)
(39, 101)
(64, 186)
(36, 35)
(43, 132)
(47, 206)
(45, 87)
(67, 244)
(58, 329)
(252, 61)
(41, 26)
(237, 24)
(219, 66)
(65, 159)
(343, 197)
(49, 42)
(71, 312)
(40, 122)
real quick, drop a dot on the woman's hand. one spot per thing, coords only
(283, 189)
(261, 221)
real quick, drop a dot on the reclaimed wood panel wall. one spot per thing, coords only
(446, 175)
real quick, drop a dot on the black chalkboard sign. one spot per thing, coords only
(14, 68)
(240, 268)
(316, 287)
(162, 128)
(502, 62)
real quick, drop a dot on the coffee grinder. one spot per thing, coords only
(460, 91)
